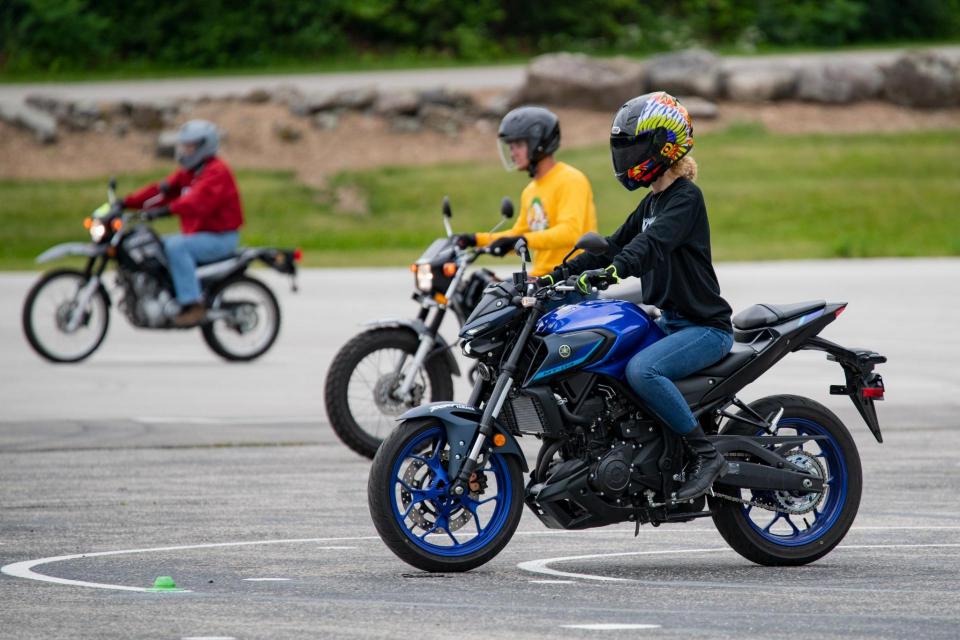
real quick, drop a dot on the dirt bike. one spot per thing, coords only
(396, 364)
(67, 312)
(446, 487)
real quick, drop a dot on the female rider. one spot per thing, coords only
(666, 242)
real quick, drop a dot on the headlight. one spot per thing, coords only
(97, 231)
(424, 278)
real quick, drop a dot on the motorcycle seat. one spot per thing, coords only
(728, 364)
(764, 315)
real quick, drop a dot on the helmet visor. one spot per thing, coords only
(634, 162)
(513, 153)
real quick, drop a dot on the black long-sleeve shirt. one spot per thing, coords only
(666, 242)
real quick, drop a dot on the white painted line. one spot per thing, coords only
(609, 626)
(552, 581)
(208, 638)
(541, 566)
(228, 421)
(24, 569)
(266, 579)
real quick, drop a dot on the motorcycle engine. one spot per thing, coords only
(146, 303)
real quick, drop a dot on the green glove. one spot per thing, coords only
(600, 278)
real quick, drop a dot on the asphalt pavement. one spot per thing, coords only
(155, 458)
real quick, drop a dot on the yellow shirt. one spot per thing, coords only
(555, 210)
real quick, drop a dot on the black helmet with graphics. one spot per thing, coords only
(650, 133)
(538, 127)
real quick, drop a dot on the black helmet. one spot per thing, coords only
(650, 133)
(538, 127)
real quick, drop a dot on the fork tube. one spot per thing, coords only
(499, 395)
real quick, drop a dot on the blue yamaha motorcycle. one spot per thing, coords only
(446, 488)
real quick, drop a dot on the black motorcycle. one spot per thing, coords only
(446, 492)
(66, 313)
(396, 364)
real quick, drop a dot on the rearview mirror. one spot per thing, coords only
(594, 243)
(447, 212)
(506, 208)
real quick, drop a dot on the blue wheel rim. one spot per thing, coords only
(425, 495)
(791, 530)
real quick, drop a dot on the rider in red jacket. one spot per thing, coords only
(203, 194)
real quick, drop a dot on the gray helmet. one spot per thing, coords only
(206, 138)
(539, 127)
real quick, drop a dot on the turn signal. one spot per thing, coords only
(440, 298)
(450, 269)
(413, 267)
(297, 254)
(87, 223)
(116, 224)
(499, 440)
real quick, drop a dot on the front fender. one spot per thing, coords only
(418, 327)
(56, 252)
(461, 422)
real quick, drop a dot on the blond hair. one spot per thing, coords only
(686, 167)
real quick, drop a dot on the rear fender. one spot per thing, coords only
(87, 249)
(441, 346)
(863, 385)
(462, 422)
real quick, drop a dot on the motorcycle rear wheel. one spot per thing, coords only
(258, 315)
(421, 521)
(798, 532)
(361, 432)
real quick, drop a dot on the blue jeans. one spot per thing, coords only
(185, 251)
(687, 348)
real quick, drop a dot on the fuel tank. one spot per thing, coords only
(598, 336)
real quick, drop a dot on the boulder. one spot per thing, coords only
(286, 132)
(326, 120)
(397, 103)
(576, 80)
(83, 115)
(923, 79)
(839, 83)
(698, 108)
(447, 98)
(151, 114)
(354, 99)
(760, 84)
(257, 96)
(405, 124)
(692, 72)
(42, 125)
(442, 118)
(166, 145)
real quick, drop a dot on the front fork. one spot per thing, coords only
(85, 294)
(491, 410)
(427, 339)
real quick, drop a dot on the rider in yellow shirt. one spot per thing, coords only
(556, 207)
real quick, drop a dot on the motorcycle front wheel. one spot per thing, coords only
(361, 381)
(51, 306)
(421, 521)
(246, 319)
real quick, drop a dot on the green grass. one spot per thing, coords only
(768, 196)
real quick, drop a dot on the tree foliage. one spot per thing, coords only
(83, 34)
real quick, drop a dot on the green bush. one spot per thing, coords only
(52, 35)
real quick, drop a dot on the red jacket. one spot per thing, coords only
(205, 199)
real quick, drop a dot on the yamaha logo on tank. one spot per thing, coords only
(564, 351)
